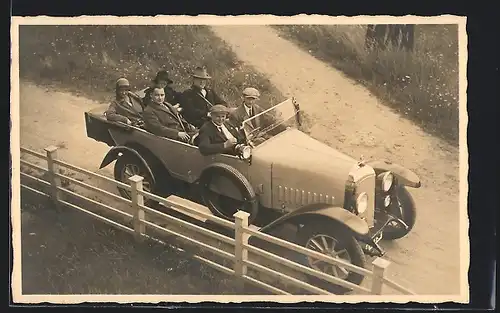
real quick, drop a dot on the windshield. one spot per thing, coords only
(271, 122)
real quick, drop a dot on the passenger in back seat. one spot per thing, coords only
(127, 106)
(163, 119)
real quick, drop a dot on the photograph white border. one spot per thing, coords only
(16, 21)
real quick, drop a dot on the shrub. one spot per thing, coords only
(421, 85)
(91, 58)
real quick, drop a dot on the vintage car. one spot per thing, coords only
(341, 206)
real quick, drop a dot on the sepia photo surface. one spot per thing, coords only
(234, 159)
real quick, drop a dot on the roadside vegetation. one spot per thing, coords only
(69, 252)
(421, 85)
(89, 59)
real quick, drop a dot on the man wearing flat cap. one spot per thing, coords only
(197, 100)
(163, 80)
(127, 107)
(218, 136)
(249, 108)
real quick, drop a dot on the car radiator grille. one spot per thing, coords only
(367, 184)
(297, 197)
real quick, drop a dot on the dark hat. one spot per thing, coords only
(219, 108)
(162, 75)
(201, 72)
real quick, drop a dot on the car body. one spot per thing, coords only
(300, 180)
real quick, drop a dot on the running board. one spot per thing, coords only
(180, 204)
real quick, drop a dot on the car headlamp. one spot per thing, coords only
(244, 151)
(387, 180)
(362, 202)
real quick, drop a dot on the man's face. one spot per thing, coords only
(122, 92)
(249, 101)
(218, 118)
(158, 95)
(199, 82)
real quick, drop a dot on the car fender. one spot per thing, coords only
(403, 175)
(223, 185)
(114, 152)
(314, 212)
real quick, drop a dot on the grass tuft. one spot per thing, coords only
(421, 85)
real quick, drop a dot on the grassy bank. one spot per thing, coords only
(69, 252)
(89, 59)
(422, 85)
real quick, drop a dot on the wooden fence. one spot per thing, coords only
(239, 243)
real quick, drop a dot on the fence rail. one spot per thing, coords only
(239, 243)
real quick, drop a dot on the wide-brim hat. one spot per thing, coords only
(218, 109)
(200, 72)
(162, 75)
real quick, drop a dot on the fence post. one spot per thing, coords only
(241, 238)
(53, 169)
(137, 201)
(379, 267)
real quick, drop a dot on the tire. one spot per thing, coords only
(223, 206)
(344, 239)
(127, 166)
(409, 210)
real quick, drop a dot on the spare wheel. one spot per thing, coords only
(224, 190)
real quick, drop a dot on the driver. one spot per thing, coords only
(218, 136)
(163, 119)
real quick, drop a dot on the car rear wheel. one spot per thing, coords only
(337, 242)
(127, 166)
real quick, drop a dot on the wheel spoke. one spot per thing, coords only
(338, 253)
(325, 244)
(344, 271)
(318, 246)
(334, 271)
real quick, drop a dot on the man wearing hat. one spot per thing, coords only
(248, 109)
(162, 119)
(197, 100)
(218, 136)
(127, 106)
(162, 79)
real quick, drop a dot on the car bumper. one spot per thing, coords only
(370, 242)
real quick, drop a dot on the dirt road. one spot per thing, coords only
(345, 116)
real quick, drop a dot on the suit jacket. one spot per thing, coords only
(240, 114)
(119, 111)
(165, 121)
(211, 140)
(195, 105)
(171, 96)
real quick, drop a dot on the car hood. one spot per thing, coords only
(301, 162)
(296, 148)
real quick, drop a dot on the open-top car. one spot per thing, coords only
(341, 206)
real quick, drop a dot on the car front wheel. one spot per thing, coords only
(336, 242)
(403, 208)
